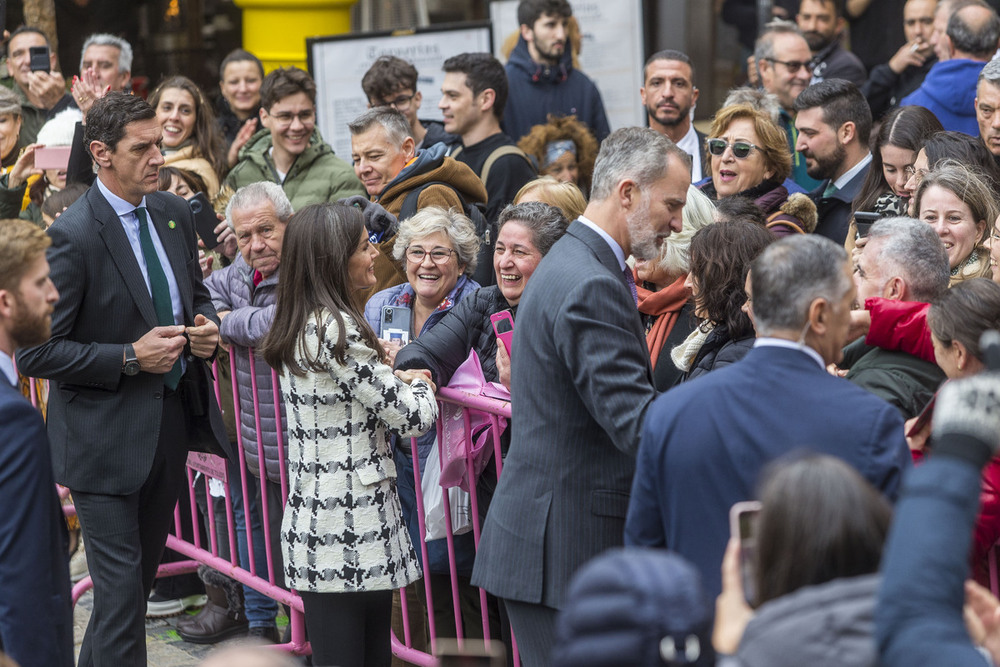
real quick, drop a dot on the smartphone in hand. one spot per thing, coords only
(743, 526)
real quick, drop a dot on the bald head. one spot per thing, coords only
(973, 31)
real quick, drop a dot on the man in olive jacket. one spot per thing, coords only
(289, 150)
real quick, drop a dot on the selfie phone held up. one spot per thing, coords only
(395, 324)
(40, 61)
(743, 526)
(205, 220)
(503, 327)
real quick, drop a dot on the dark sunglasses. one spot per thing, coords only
(741, 149)
(792, 65)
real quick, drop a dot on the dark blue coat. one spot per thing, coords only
(36, 616)
(705, 442)
(538, 90)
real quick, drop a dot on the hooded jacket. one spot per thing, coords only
(428, 165)
(949, 91)
(316, 176)
(537, 90)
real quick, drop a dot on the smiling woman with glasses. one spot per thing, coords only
(749, 157)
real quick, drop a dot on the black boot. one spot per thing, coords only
(222, 617)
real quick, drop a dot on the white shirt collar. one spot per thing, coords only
(7, 368)
(767, 341)
(689, 144)
(121, 207)
(852, 172)
(615, 248)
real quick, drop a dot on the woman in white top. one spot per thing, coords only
(346, 546)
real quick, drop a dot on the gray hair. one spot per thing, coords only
(991, 73)
(9, 103)
(675, 255)
(546, 223)
(255, 194)
(764, 47)
(758, 98)
(396, 127)
(636, 153)
(792, 273)
(972, 35)
(105, 39)
(911, 250)
(452, 222)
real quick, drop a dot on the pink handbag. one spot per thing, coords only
(455, 442)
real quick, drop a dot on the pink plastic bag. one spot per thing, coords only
(454, 441)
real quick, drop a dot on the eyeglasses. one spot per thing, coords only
(286, 117)
(438, 255)
(792, 65)
(400, 102)
(909, 170)
(741, 149)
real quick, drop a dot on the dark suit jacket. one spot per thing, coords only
(705, 442)
(834, 212)
(103, 425)
(580, 385)
(36, 615)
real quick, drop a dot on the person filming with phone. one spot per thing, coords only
(31, 63)
(812, 585)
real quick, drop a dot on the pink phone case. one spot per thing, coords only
(56, 157)
(505, 337)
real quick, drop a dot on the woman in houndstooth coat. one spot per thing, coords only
(346, 545)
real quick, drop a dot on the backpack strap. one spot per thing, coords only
(496, 155)
(411, 200)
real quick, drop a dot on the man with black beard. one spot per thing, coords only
(833, 122)
(822, 22)
(669, 95)
(36, 616)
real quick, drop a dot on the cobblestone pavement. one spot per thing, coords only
(164, 647)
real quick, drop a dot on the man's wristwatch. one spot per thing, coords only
(131, 365)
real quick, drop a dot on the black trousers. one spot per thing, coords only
(349, 629)
(125, 537)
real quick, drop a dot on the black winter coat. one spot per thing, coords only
(718, 350)
(444, 347)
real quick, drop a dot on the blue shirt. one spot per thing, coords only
(130, 222)
(7, 368)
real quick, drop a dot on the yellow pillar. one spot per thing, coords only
(275, 30)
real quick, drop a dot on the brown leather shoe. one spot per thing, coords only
(221, 618)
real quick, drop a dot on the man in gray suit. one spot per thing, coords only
(129, 391)
(580, 385)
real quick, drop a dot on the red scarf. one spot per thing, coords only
(666, 306)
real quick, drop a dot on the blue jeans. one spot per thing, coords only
(260, 609)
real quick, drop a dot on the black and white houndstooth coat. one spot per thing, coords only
(342, 529)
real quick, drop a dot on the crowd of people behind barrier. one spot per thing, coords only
(767, 311)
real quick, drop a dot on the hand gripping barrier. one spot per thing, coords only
(212, 486)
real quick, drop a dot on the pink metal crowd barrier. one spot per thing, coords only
(261, 576)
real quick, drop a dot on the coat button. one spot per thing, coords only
(157, 395)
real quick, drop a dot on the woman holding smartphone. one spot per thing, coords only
(346, 546)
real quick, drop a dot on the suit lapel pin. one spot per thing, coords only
(171, 224)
